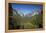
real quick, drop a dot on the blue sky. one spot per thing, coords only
(26, 8)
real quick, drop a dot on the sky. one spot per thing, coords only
(26, 8)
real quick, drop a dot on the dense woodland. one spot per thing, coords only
(18, 22)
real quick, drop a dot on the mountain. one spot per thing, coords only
(16, 12)
(33, 13)
(29, 15)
